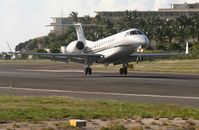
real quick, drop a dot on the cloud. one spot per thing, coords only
(110, 5)
(8, 22)
(22, 20)
(55, 8)
(140, 4)
(121, 5)
(85, 7)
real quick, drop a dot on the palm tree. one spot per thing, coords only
(131, 19)
(170, 30)
(194, 29)
(183, 24)
(148, 25)
(74, 15)
(89, 30)
(104, 28)
(86, 20)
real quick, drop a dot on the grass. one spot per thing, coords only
(180, 66)
(47, 108)
(40, 61)
(171, 66)
(174, 66)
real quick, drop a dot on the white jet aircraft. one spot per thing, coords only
(116, 49)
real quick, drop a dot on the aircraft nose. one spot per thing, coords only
(146, 40)
(143, 40)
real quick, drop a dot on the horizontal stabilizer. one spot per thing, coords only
(72, 25)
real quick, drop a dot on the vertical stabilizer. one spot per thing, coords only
(80, 32)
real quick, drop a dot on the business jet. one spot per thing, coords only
(117, 49)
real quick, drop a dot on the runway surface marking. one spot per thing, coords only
(101, 93)
(58, 71)
(55, 71)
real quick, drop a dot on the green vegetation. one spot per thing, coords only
(171, 66)
(48, 108)
(174, 66)
(163, 34)
(194, 52)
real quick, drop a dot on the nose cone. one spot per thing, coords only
(143, 40)
(146, 40)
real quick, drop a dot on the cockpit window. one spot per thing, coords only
(136, 32)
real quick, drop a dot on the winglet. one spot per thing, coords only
(187, 48)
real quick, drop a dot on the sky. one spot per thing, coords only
(21, 20)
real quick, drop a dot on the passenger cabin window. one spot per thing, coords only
(136, 32)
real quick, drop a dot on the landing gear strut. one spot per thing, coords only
(124, 69)
(88, 69)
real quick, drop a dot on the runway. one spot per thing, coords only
(68, 80)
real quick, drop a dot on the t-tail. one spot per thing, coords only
(80, 32)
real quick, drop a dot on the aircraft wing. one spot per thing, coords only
(143, 57)
(65, 55)
(155, 54)
(140, 56)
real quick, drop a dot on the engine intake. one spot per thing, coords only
(76, 46)
(80, 46)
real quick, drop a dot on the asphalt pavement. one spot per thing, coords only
(46, 79)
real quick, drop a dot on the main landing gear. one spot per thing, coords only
(88, 71)
(87, 68)
(124, 69)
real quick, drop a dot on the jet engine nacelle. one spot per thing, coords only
(76, 46)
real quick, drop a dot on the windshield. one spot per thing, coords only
(136, 32)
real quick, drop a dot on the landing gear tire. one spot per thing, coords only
(85, 71)
(123, 71)
(88, 71)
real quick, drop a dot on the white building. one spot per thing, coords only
(60, 21)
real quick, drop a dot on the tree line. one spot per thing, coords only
(164, 34)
